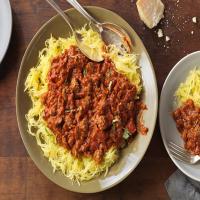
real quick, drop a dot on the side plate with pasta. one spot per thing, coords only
(180, 86)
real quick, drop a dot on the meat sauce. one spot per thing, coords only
(187, 119)
(89, 105)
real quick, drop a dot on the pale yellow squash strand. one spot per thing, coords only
(61, 159)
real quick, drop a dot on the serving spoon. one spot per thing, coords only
(86, 50)
(110, 32)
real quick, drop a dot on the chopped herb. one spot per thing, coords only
(113, 126)
(84, 72)
(90, 64)
(110, 85)
(126, 134)
(67, 80)
(68, 111)
(115, 120)
(108, 73)
(39, 80)
(73, 110)
(80, 108)
(123, 144)
(64, 94)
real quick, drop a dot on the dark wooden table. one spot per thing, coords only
(19, 177)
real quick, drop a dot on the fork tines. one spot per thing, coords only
(180, 153)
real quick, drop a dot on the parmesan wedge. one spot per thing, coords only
(150, 11)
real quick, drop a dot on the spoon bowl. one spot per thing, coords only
(114, 34)
(86, 50)
(110, 32)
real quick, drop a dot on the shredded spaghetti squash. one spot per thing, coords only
(190, 89)
(61, 159)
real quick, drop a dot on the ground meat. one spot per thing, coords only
(89, 105)
(187, 119)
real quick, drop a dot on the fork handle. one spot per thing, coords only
(61, 13)
(80, 9)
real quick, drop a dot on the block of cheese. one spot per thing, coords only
(150, 11)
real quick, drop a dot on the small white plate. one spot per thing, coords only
(168, 128)
(5, 26)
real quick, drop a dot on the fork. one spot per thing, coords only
(182, 154)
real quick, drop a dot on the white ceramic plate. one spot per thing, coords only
(168, 128)
(5, 26)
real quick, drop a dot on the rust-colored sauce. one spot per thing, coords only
(89, 105)
(187, 119)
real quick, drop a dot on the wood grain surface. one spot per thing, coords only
(19, 177)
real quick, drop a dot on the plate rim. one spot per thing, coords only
(160, 120)
(153, 121)
(9, 28)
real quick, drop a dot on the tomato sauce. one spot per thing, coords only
(89, 106)
(187, 119)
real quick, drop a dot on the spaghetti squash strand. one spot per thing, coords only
(190, 89)
(36, 85)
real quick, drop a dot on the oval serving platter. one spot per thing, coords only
(132, 155)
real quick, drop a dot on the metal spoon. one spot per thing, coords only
(84, 49)
(110, 33)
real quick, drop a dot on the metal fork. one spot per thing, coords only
(182, 154)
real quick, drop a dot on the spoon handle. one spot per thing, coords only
(80, 9)
(61, 12)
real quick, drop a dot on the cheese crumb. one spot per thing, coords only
(194, 20)
(160, 33)
(192, 32)
(167, 38)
